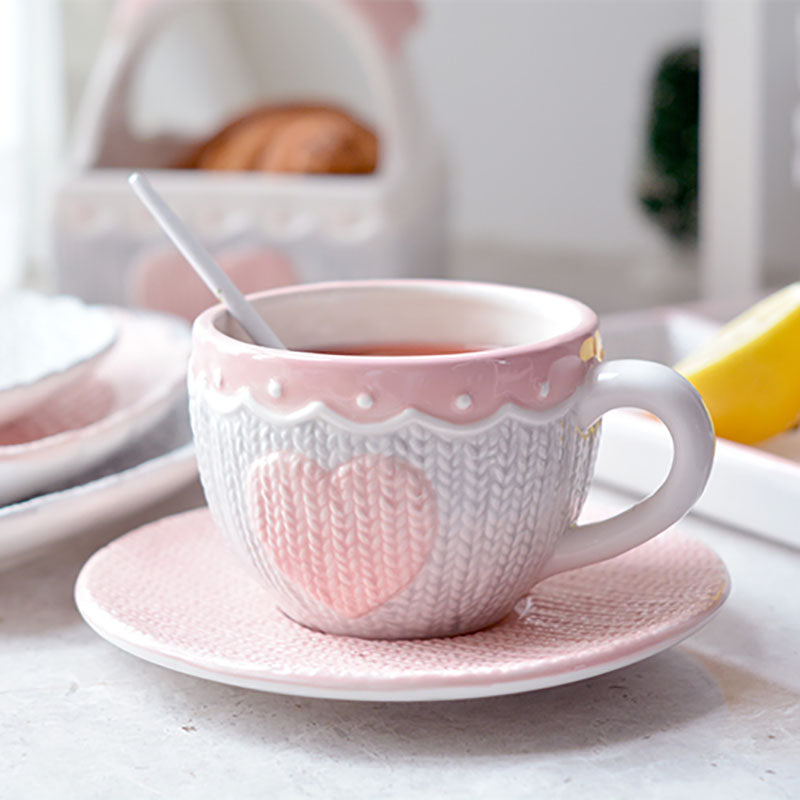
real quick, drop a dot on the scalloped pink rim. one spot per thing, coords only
(461, 388)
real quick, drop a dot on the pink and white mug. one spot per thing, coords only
(402, 496)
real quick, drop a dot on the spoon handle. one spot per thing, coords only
(204, 265)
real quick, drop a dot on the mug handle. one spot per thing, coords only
(662, 391)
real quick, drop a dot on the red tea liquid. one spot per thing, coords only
(400, 349)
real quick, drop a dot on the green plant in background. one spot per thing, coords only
(668, 192)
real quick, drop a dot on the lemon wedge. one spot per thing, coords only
(748, 374)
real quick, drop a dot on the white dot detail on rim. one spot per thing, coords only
(216, 377)
(274, 388)
(544, 389)
(463, 402)
(364, 401)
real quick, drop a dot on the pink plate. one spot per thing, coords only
(135, 385)
(171, 593)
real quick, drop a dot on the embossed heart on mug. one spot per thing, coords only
(352, 537)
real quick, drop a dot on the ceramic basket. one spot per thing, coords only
(266, 229)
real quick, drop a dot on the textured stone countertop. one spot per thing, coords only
(717, 716)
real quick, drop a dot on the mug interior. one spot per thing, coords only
(386, 312)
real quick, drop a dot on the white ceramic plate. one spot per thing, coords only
(45, 344)
(635, 450)
(173, 593)
(126, 394)
(161, 462)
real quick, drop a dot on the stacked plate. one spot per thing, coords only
(93, 418)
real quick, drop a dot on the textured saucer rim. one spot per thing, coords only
(400, 694)
(523, 678)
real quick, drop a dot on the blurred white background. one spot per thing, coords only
(542, 108)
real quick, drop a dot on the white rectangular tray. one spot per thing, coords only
(753, 488)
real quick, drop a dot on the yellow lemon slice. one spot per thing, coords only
(748, 374)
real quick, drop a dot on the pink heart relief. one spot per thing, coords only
(352, 537)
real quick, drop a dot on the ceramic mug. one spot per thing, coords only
(422, 495)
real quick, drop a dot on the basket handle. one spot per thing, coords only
(103, 116)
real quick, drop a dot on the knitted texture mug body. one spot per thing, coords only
(417, 496)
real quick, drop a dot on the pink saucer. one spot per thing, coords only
(171, 593)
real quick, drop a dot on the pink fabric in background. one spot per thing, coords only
(391, 19)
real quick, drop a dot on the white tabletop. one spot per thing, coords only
(718, 716)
